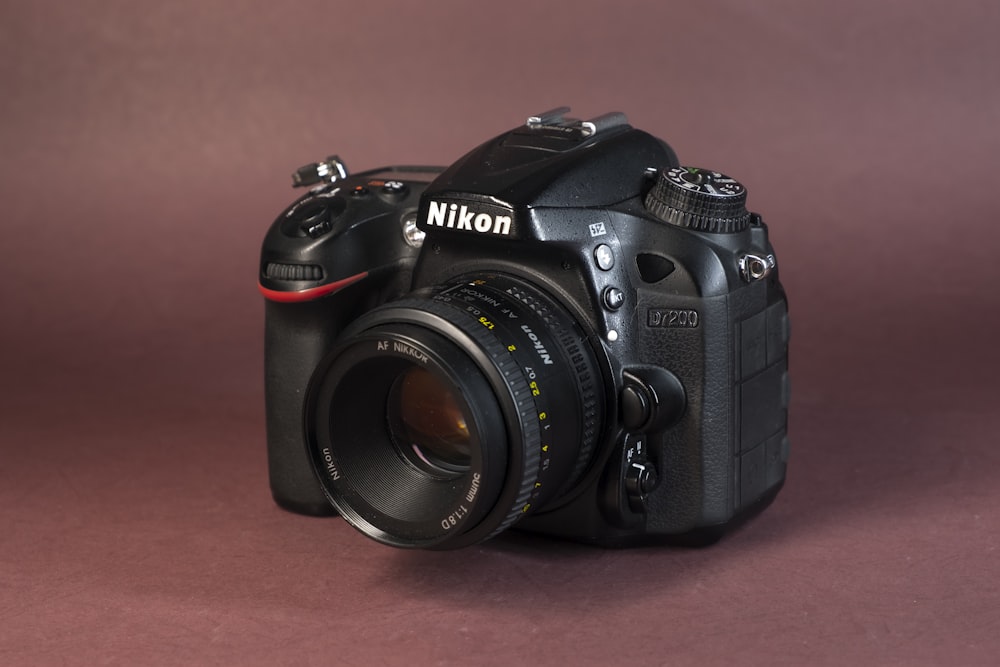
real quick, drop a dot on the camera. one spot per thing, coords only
(563, 332)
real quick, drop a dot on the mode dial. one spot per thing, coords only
(699, 199)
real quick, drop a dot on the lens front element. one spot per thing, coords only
(426, 422)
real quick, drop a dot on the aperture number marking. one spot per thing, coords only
(455, 517)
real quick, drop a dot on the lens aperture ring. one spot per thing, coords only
(586, 376)
(563, 375)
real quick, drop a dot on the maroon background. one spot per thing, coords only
(144, 149)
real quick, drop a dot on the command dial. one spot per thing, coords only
(699, 199)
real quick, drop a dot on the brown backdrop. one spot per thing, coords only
(144, 149)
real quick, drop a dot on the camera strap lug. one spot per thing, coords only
(330, 170)
(756, 267)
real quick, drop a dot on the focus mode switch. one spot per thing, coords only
(628, 482)
(640, 480)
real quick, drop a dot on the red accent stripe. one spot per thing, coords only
(308, 294)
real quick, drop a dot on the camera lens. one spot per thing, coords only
(426, 421)
(444, 418)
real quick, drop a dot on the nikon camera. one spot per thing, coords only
(563, 332)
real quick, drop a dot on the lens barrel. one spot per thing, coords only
(442, 419)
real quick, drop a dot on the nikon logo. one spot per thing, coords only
(453, 216)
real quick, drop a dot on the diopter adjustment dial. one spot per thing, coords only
(699, 199)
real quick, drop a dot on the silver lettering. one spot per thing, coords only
(474, 489)
(502, 225)
(441, 214)
(484, 222)
(479, 295)
(403, 348)
(331, 467)
(465, 219)
(543, 354)
(435, 216)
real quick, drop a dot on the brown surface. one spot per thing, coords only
(145, 147)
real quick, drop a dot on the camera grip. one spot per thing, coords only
(296, 336)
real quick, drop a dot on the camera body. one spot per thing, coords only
(564, 332)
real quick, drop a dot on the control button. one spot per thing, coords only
(390, 190)
(636, 406)
(319, 228)
(397, 188)
(604, 256)
(313, 216)
(359, 191)
(613, 298)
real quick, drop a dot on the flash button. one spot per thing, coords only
(604, 256)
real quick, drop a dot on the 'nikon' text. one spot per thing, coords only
(453, 216)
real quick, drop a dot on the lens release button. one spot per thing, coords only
(635, 407)
(652, 399)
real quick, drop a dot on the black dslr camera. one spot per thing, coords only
(565, 332)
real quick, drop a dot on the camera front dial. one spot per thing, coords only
(442, 419)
